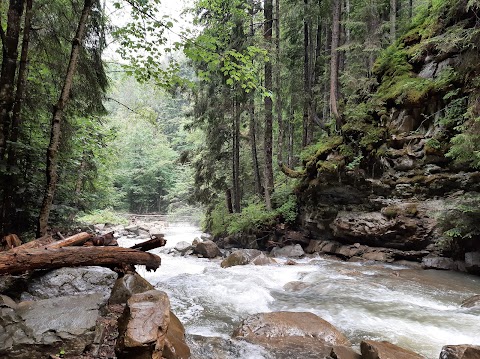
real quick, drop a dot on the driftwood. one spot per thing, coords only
(75, 240)
(10, 241)
(36, 243)
(16, 262)
(106, 239)
(153, 243)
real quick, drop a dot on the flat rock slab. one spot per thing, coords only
(38, 329)
(71, 281)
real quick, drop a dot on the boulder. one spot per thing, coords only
(182, 247)
(372, 349)
(301, 332)
(175, 346)
(240, 257)
(377, 256)
(472, 302)
(143, 326)
(41, 328)
(156, 231)
(133, 229)
(433, 262)
(343, 352)
(472, 262)
(207, 249)
(263, 260)
(294, 251)
(463, 351)
(127, 286)
(296, 286)
(314, 246)
(71, 281)
(7, 302)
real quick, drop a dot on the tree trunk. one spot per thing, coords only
(278, 85)
(27, 260)
(334, 64)
(268, 140)
(306, 77)
(75, 240)
(236, 157)
(228, 200)
(10, 180)
(52, 152)
(9, 68)
(393, 20)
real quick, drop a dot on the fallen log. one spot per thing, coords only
(10, 241)
(16, 262)
(150, 244)
(75, 240)
(36, 243)
(107, 239)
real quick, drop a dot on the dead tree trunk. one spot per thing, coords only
(52, 152)
(15, 262)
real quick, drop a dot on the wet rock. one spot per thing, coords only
(294, 251)
(472, 302)
(71, 281)
(342, 352)
(433, 262)
(240, 257)
(472, 262)
(374, 255)
(182, 247)
(384, 350)
(263, 260)
(295, 286)
(127, 286)
(143, 326)
(175, 345)
(156, 231)
(207, 249)
(331, 247)
(302, 333)
(460, 352)
(132, 229)
(38, 329)
(223, 348)
(7, 302)
(314, 246)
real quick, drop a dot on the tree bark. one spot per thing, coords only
(236, 157)
(306, 76)
(150, 244)
(268, 137)
(228, 200)
(52, 152)
(75, 240)
(27, 260)
(278, 85)
(10, 180)
(393, 20)
(334, 64)
(9, 68)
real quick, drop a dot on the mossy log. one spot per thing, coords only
(291, 173)
(16, 262)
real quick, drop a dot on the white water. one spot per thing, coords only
(418, 310)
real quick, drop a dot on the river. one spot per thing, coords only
(416, 309)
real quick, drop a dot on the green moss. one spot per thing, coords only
(324, 145)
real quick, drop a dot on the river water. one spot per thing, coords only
(416, 309)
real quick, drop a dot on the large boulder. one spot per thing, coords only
(38, 329)
(294, 251)
(343, 352)
(460, 352)
(303, 333)
(175, 346)
(182, 247)
(372, 349)
(207, 249)
(434, 262)
(71, 281)
(263, 260)
(127, 286)
(240, 257)
(472, 302)
(472, 262)
(143, 326)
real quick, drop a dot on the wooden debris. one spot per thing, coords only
(155, 242)
(10, 241)
(16, 262)
(75, 240)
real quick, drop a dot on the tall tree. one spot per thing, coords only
(268, 104)
(58, 112)
(334, 58)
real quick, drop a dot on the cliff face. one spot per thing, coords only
(407, 157)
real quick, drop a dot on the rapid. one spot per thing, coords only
(415, 309)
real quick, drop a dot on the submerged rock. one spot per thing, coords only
(472, 302)
(460, 352)
(302, 334)
(240, 257)
(372, 349)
